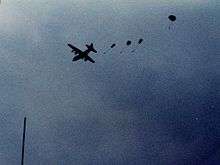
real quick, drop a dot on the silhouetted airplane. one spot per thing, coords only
(83, 54)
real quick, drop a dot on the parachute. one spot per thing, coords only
(139, 42)
(172, 18)
(113, 45)
(128, 43)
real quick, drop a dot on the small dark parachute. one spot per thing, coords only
(140, 41)
(172, 18)
(128, 43)
(113, 45)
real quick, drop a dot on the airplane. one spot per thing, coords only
(83, 54)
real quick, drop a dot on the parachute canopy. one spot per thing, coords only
(113, 45)
(172, 18)
(128, 43)
(140, 41)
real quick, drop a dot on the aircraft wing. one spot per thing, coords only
(74, 49)
(76, 58)
(90, 59)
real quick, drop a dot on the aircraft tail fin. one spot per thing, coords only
(91, 48)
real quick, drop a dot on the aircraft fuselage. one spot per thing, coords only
(84, 55)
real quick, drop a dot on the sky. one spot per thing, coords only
(158, 105)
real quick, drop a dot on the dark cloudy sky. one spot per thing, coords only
(157, 106)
